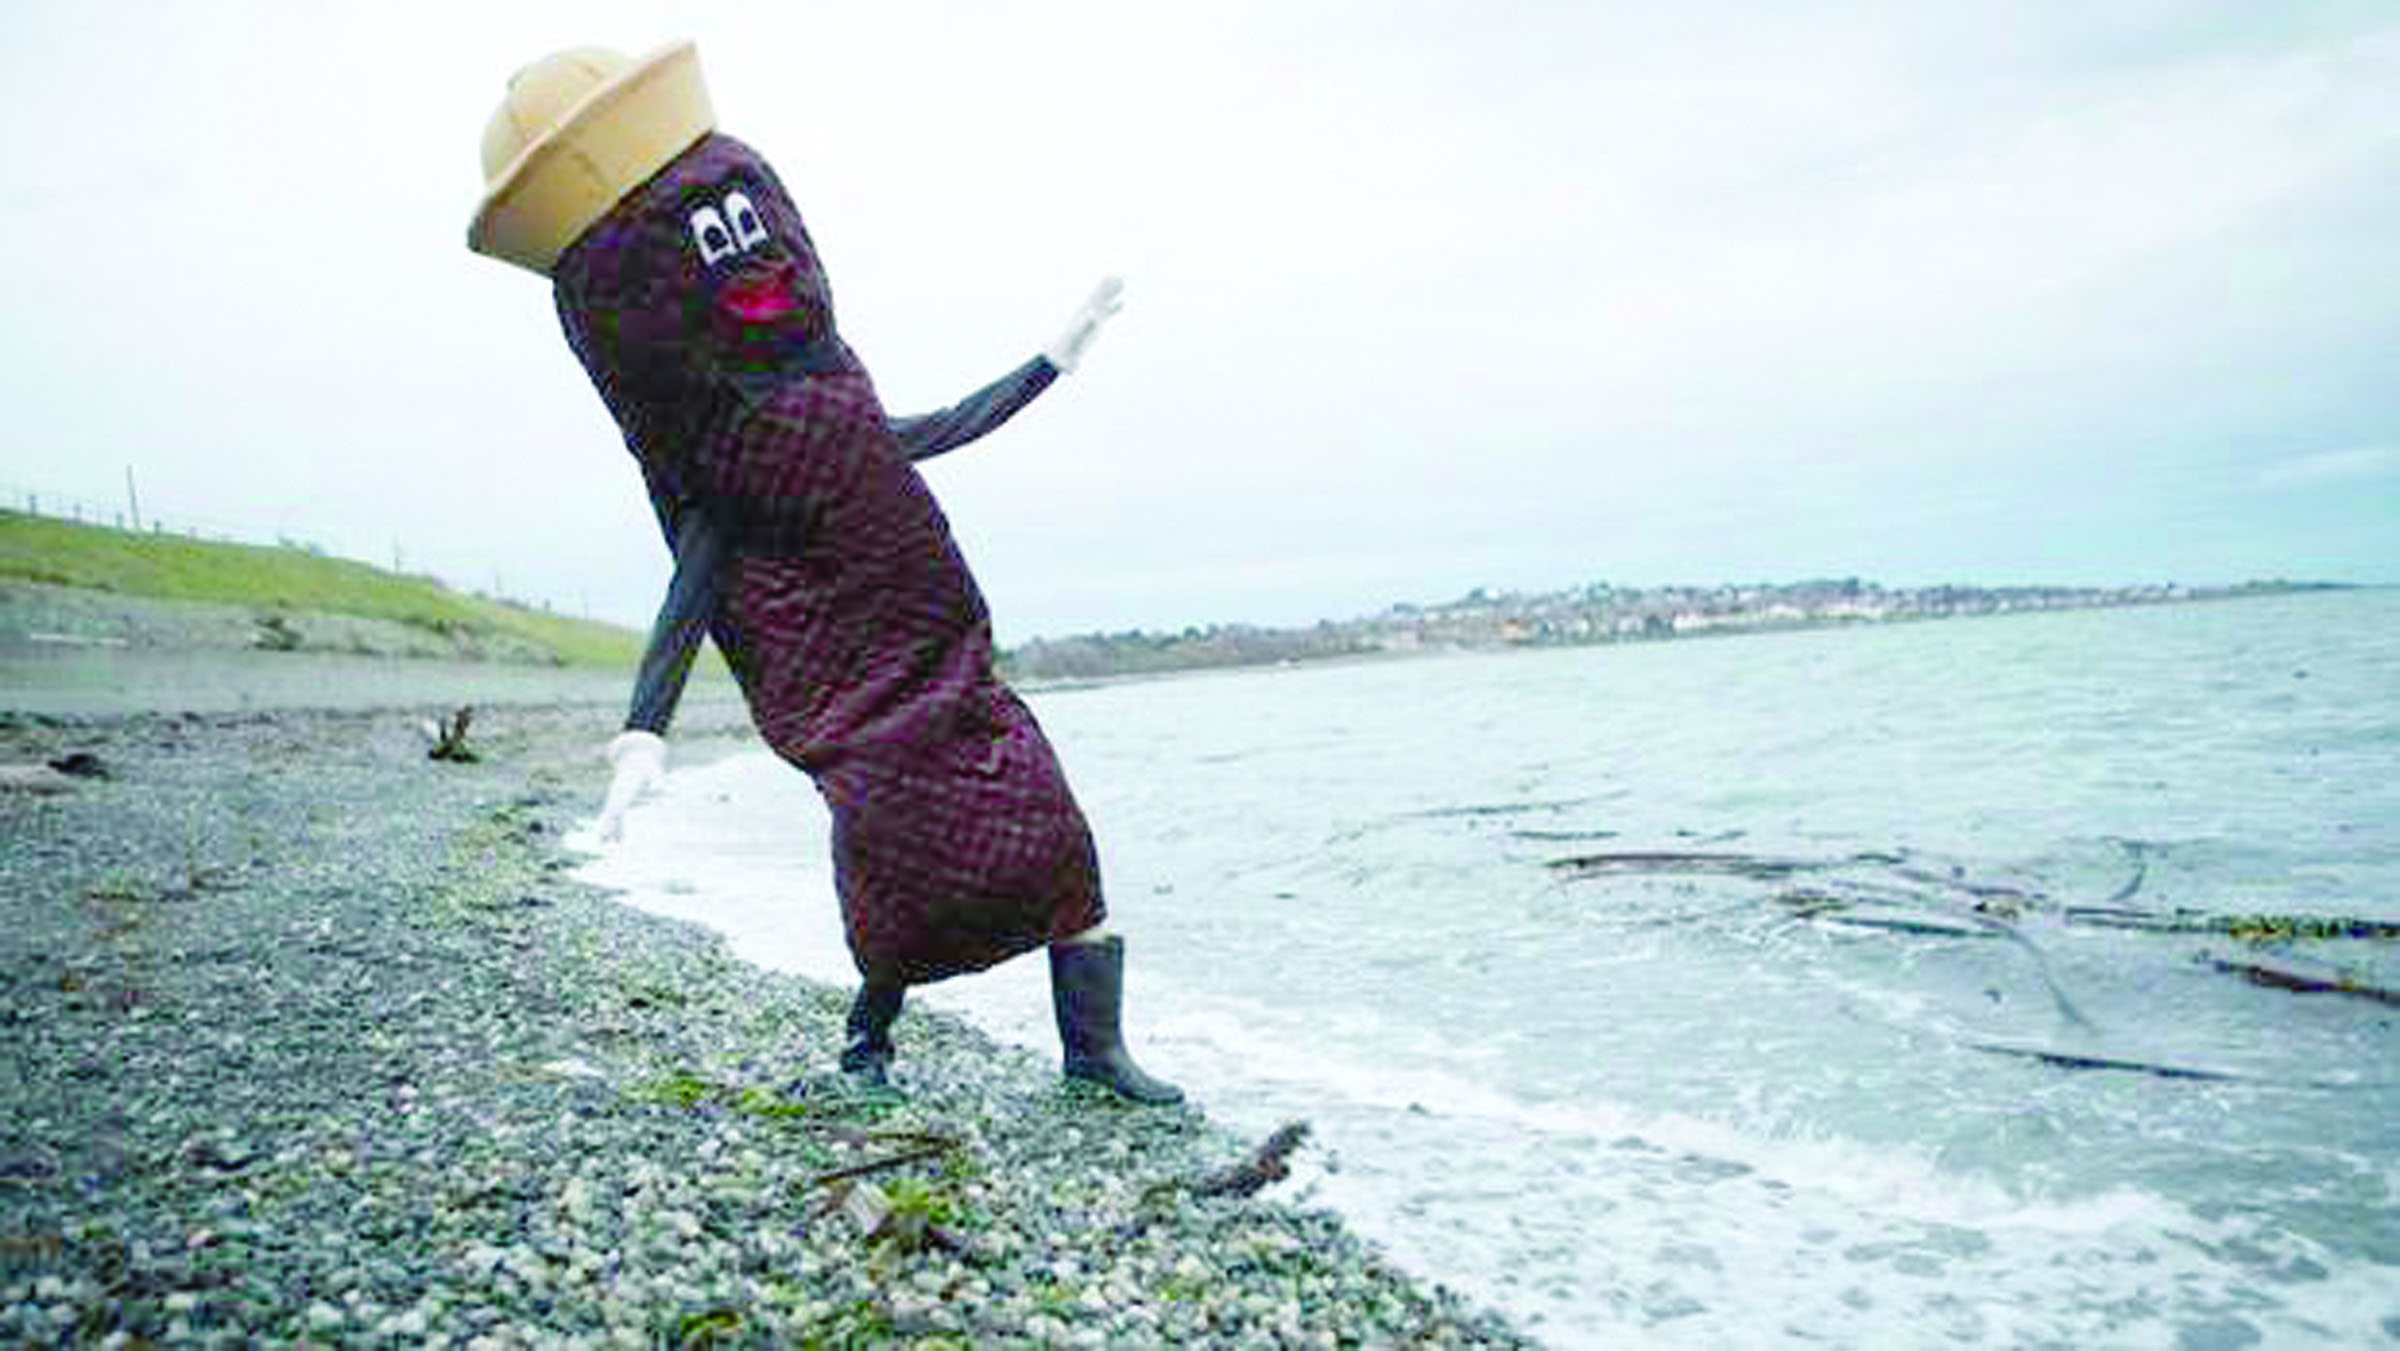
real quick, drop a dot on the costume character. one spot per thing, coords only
(806, 540)
(700, 552)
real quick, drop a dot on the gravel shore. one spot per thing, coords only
(311, 1039)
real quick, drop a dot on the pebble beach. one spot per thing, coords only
(312, 1040)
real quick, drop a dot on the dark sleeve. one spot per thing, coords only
(929, 434)
(701, 554)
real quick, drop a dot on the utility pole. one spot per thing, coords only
(132, 498)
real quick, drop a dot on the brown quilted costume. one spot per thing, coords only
(860, 640)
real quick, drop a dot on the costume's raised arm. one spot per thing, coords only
(929, 434)
(701, 553)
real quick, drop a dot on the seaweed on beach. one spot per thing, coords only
(2257, 928)
(2295, 977)
(2086, 1060)
(1754, 867)
(1869, 889)
(1900, 894)
(1838, 888)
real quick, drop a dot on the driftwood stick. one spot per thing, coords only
(2283, 976)
(900, 1160)
(928, 1145)
(1267, 1164)
(450, 738)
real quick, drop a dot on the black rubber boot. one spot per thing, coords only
(1087, 991)
(868, 1057)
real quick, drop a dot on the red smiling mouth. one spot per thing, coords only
(760, 297)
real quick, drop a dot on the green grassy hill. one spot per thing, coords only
(168, 567)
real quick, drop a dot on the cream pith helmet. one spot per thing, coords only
(576, 131)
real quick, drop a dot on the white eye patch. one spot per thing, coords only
(709, 233)
(717, 239)
(749, 230)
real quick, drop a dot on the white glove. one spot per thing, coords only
(1068, 348)
(641, 761)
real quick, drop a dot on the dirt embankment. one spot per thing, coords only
(66, 652)
(38, 616)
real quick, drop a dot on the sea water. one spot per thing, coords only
(1699, 993)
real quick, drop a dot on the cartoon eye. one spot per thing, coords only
(749, 229)
(709, 232)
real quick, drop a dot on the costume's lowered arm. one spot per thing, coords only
(701, 541)
(639, 753)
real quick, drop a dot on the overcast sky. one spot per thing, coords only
(1420, 296)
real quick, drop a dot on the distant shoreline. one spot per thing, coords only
(1599, 616)
(69, 652)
